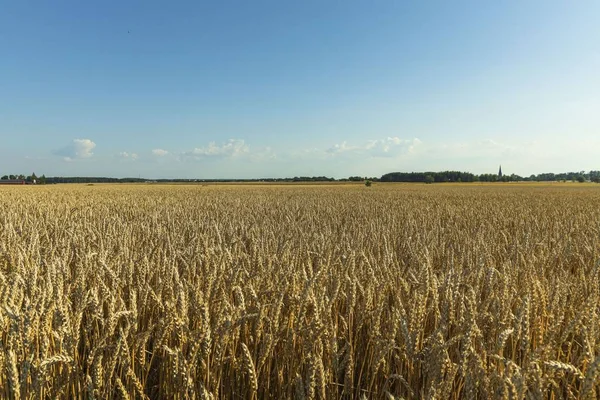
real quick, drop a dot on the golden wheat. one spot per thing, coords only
(285, 291)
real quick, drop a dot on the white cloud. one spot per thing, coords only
(388, 147)
(232, 148)
(128, 156)
(160, 152)
(342, 148)
(392, 146)
(265, 154)
(77, 149)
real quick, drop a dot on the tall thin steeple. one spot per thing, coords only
(500, 172)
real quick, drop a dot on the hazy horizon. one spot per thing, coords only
(276, 89)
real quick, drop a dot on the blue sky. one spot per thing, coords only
(280, 88)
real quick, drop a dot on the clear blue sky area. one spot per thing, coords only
(279, 88)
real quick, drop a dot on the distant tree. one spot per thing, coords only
(444, 176)
(580, 179)
(596, 179)
(43, 179)
(11, 177)
(4, 177)
(488, 177)
(368, 183)
(429, 179)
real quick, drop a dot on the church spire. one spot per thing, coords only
(500, 172)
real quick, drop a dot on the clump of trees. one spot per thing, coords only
(445, 176)
(33, 178)
(581, 176)
(457, 176)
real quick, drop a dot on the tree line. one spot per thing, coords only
(27, 178)
(423, 177)
(92, 179)
(457, 176)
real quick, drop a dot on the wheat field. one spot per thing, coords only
(306, 292)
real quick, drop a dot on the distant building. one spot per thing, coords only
(500, 172)
(12, 182)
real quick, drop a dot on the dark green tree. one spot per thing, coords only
(32, 178)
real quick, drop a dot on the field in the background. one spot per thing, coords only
(287, 291)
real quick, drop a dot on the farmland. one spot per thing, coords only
(309, 292)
